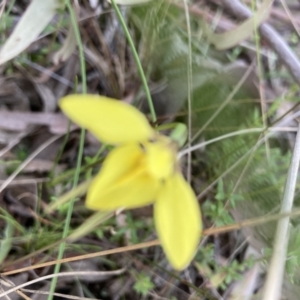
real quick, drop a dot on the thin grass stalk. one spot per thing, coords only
(62, 245)
(137, 60)
(260, 72)
(189, 87)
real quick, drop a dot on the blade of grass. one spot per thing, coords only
(189, 87)
(275, 273)
(219, 138)
(80, 150)
(137, 60)
(263, 105)
(90, 224)
(6, 242)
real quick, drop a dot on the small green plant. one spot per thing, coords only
(233, 272)
(143, 284)
(220, 276)
(217, 210)
(134, 226)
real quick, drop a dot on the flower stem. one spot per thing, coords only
(137, 60)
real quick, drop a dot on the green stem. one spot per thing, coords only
(137, 60)
(62, 245)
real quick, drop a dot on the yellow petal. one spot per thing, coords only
(134, 190)
(112, 121)
(120, 162)
(178, 221)
(122, 181)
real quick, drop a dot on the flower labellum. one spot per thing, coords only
(142, 169)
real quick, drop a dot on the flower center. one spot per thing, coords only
(160, 158)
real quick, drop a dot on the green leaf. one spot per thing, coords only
(5, 244)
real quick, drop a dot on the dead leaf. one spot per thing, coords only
(69, 44)
(47, 96)
(18, 121)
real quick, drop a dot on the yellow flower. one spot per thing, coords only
(142, 169)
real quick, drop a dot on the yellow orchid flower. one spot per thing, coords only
(142, 169)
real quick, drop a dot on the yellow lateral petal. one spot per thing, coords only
(122, 181)
(112, 121)
(178, 221)
(134, 190)
(119, 162)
